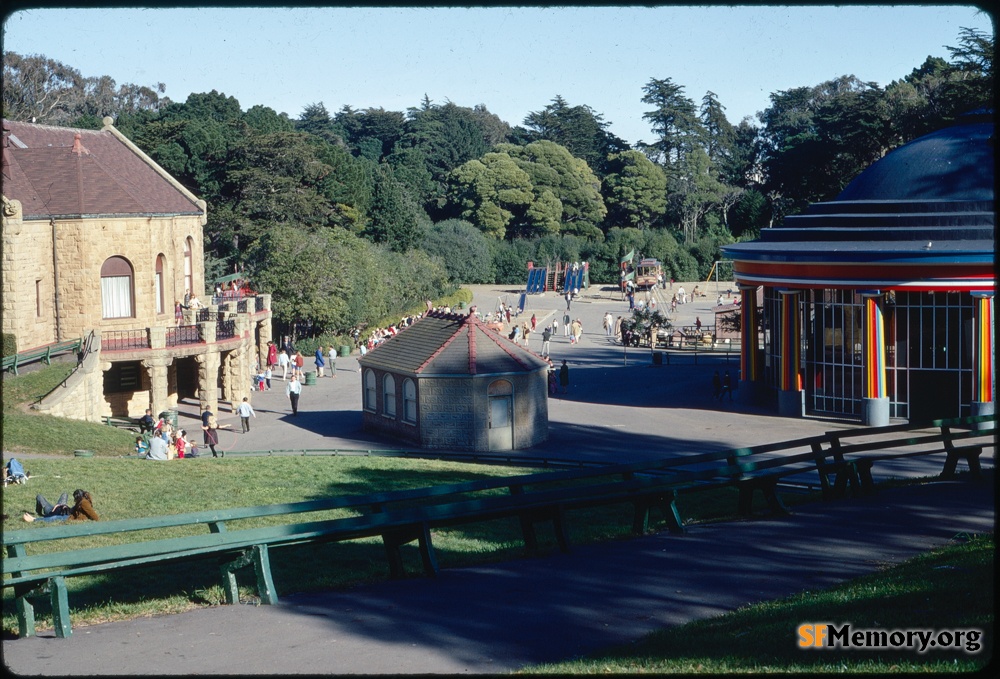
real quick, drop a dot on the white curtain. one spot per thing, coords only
(116, 294)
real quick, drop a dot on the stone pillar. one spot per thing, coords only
(159, 397)
(157, 338)
(791, 397)
(874, 399)
(264, 336)
(982, 354)
(208, 380)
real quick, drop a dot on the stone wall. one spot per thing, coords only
(453, 412)
(31, 272)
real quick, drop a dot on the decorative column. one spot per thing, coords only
(750, 356)
(791, 397)
(982, 354)
(208, 380)
(158, 392)
(875, 400)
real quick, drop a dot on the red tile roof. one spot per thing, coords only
(451, 344)
(66, 172)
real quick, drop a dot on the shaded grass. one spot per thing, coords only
(28, 431)
(949, 588)
(128, 488)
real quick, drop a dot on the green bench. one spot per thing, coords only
(130, 423)
(40, 354)
(400, 517)
(959, 439)
(391, 515)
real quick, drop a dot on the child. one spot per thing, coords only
(141, 447)
(180, 443)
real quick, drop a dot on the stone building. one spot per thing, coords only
(450, 382)
(99, 242)
(879, 303)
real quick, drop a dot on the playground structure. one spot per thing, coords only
(560, 277)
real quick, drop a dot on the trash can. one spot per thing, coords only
(169, 416)
(345, 350)
(310, 378)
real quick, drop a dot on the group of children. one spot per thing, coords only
(178, 445)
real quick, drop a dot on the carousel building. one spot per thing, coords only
(878, 305)
(451, 382)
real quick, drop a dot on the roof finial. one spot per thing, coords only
(79, 148)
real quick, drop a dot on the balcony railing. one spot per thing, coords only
(183, 334)
(123, 340)
(203, 315)
(241, 306)
(258, 303)
(225, 329)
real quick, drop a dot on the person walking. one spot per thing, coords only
(212, 434)
(299, 362)
(245, 411)
(727, 386)
(546, 336)
(564, 376)
(320, 362)
(609, 323)
(272, 355)
(577, 330)
(292, 390)
(333, 361)
(566, 322)
(283, 364)
(716, 386)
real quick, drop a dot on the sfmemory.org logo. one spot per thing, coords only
(829, 635)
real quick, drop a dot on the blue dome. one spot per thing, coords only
(952, 164)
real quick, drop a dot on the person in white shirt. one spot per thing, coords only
(245, 411)
(283, 363)
(292, 390)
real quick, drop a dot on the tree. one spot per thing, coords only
(462, 249)
(555, 174)
(673, 119)
(392, 218)
(694, 192)
(37, 89)
(264, 120)
(578, 128)
(719, 132)
(489, 191)
(635, 190)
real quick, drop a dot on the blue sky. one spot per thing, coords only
(514, 60)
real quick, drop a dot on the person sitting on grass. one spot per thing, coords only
(141, 447)
(83, 508)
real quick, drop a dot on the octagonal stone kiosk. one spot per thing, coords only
(449, 382)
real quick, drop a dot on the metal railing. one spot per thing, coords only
(225, 329)
(183, 334)
(203, 315)
(124, 340)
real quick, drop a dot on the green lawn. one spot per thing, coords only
(950, 588)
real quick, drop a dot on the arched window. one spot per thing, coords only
(189, 265)
(160, 262)
(500, 388)
(116, 288)
(369, 390)
(389, 396)
(409, 401)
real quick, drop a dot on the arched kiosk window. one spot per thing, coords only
(389, 396)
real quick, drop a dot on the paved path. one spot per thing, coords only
(502, 617)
